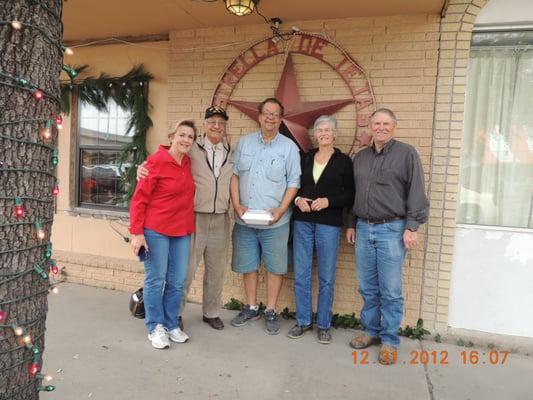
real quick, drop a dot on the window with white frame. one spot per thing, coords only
(101, 136)
(497, 155)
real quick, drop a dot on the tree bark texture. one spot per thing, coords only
(29, 54)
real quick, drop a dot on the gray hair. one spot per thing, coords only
(384, 111)
(330, 119)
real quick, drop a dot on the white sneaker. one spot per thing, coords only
(178, 336)
(159, 337)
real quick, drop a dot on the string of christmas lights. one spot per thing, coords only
(25, 84)
(26, 264)
(18, 25)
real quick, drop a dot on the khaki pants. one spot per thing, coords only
(211, 241)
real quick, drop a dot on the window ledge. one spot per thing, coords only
(99, 214)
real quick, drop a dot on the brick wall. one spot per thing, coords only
(456, 30)
(398, 53)
(417, 67)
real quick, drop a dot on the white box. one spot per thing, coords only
(257, 217)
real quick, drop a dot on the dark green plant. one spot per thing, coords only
(417, 332)
(346, 321)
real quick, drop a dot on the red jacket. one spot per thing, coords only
(164, 200)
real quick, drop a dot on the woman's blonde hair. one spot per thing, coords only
(183, 122)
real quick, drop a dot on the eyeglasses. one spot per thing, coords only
(214, 123)
(271, 114)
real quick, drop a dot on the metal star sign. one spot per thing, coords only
(299, 116)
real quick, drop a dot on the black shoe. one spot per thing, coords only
(297, 331)
(271, 322)
(324, 336)
(180, 322)
(246, 314)
(215, 323)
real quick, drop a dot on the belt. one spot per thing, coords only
(377, 221)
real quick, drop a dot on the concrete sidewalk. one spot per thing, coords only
(96, 350)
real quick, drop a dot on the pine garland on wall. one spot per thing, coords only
(130, 92)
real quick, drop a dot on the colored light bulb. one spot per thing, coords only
(55, 157)
(55, 290)
(37, 94)
(48, 250)
(19, 208)
(46, 132)
(68, 51)
(55, 190)
(26, 339)
(40, 231)
(40, 271)
(47, 388)
(53, 267)
(59, 122)
(18, 330)
(44, 377)
(3, 315)
(34, 368)
(71, 72)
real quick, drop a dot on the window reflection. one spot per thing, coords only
(101, 136)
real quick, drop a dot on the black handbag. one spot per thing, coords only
(137, 304)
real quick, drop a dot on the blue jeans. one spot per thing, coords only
(325, 238)
(380, 252)
(165, 270)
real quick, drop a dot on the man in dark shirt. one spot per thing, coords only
(390, 204)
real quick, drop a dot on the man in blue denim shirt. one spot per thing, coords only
(266, 176)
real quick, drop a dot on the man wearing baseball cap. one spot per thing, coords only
(212, 168)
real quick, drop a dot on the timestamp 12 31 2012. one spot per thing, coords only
(440, 357)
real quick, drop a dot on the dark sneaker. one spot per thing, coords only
(246, 314)
(297, 331)
(324, 336)
(271, 322)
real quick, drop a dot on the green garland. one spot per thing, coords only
(130, 93)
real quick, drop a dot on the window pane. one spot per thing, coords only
(497, 156)
(101, 180)
(104, 128)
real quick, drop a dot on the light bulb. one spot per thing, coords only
(17, 25)
(59, 122)
(37, 94)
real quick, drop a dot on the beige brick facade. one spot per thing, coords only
(417, 66)
(456, 29)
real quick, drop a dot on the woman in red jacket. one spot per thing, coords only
(162, 221)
